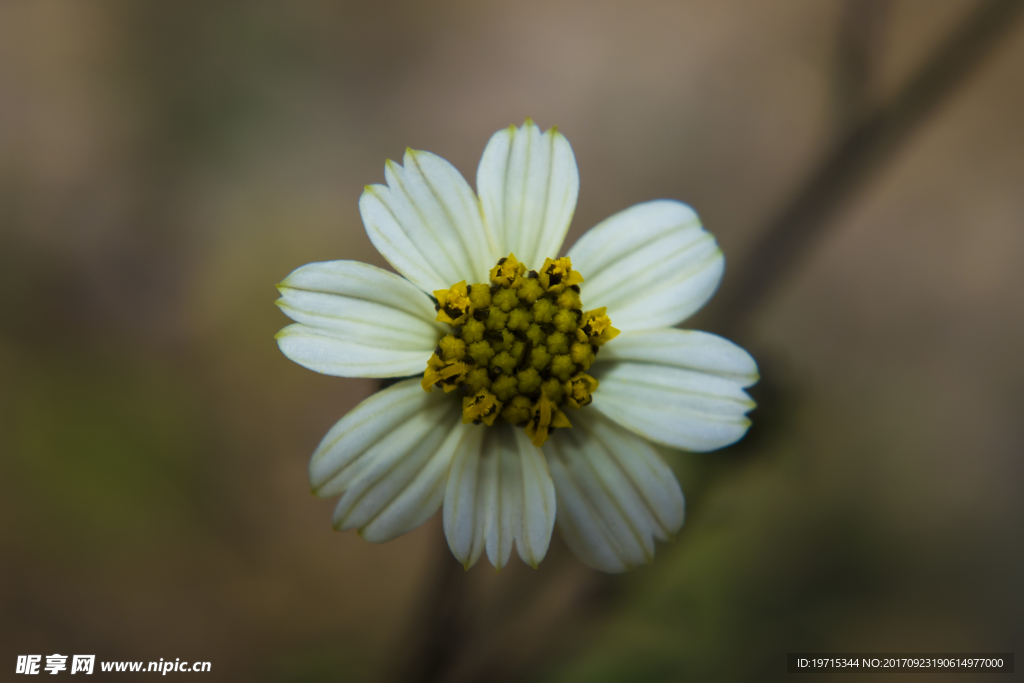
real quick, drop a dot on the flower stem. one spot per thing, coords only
(437, 633)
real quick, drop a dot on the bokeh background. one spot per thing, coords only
(163, 165)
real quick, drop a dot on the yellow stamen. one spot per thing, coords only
(453, 305)
(507, 270)
(579, 389)
(439, 371)
(556, 275)
(519, 346)
(596, 327)
(483, 407)
(545, 417)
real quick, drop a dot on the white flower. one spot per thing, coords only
(404, 452)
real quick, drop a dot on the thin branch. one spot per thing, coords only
(857, 56)
(437, 632)
(868, 146)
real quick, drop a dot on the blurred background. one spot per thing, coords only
(163, 165)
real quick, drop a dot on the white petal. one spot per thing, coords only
(392, 420)
(500, 498)
(404, 481)
(356, 320)
(538, 501)
(652, 265)
(689, 349)
(499, 494)
(528, 184)
(463, 527)
(615, 493)
(426, 222)
(671, 406)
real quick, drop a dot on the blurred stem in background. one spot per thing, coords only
(858, 53)
(868, 138)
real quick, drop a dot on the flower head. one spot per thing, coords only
(543, 389)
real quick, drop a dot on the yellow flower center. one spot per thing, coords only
(519, 347)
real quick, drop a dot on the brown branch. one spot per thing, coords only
(863, 151)
(857, 56)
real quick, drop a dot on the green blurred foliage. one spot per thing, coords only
(107, 444)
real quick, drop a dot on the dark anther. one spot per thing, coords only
(575, 288)
(588, 330)
(452, 311)
(502, 260)
(481, 314)
(525, 360)
(595, 348)
(532, 275)
(577, 311)
(438, 351)
(493, 335)
(495, 288)
(457, 330)
(554, 278)
(437, 307)
(476, 422)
